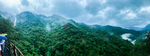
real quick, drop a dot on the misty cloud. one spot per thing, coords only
(93, 7)
(125, 36)
(67, 8)
(24, 2)
(124, 13)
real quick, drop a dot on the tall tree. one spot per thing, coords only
(5, 25)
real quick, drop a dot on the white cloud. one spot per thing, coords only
(148, 22)
(125, 36)
(104, 1)
(130, 15)
(103, 13)
(112, 22)
(124, 11)
(145, 9)
(141, 26)
(83, 3)
(11, 3)
(133, 42)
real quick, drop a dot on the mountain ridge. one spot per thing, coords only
(57, 36)
(58, 17)
(134, 28)
(55, 21)
(147, 27)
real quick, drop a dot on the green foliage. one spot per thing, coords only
(5, 25)
(32, 39)
(117, 31)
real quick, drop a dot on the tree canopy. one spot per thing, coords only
(68, 40)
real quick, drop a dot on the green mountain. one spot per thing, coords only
(75, 41)
(146, 28)
(49, 23)
(39, 35)
(118, 31)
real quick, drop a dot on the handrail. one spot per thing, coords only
(13, 49)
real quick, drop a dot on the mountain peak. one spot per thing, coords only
(57, 16)
(146, 27)
(41, 15)
(26, 13)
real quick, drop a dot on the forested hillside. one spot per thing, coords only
(118, 31)
(57, 36)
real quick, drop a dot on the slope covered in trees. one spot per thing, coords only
(119, 31)
(71, 40)
(32, 38)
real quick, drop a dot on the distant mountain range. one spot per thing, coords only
(50, 22)
(22, 16)
(55, 21)
(146, 27)
(134, 28)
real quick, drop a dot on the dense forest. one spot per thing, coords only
(71, 38)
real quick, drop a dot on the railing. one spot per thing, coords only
(13, 49)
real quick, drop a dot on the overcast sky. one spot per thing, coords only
(124, 13)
